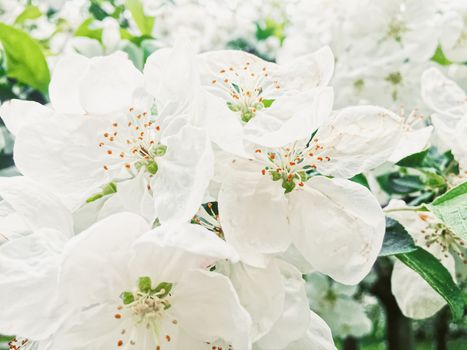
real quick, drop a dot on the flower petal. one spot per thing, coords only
(214, 309)
(18, 113)
(109, 84)
(357, 139)
(183, 176)
(100, 257)
(169, 250)
(413, 294)
(64, 85)
(253, 215)
(261, 292)
(295, 318)
(28, 264)
(309, 71)
(38, 207)
(317, 337)
(336, 236)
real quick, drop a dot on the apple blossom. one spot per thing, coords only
(414, 295)
(278, 197)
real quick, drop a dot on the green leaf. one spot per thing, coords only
(97, 11)
(87, 31)
(29, 12)
(25, 60)
(414, 160)
(396, 239)
(395, 183)
(437, 276)
(144, 23)
(440, 58)
(451, 209)
(361, 179)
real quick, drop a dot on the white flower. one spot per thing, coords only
(263, 100)
(414, 295)
(157, 292)
(75, 155)
(395, 29)
(449, 101)
(278, 197)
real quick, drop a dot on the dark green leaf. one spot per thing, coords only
(361, 179)
(395, 183)
(25, 60)
(396, 239)
(414, 160)
(437, 276)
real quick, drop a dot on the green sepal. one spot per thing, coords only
(288, 185)
(152, 167)
(127, 298)
(164, 287)
(144, 284)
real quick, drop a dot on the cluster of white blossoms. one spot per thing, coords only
(179, 208)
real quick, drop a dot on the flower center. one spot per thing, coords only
(133, 144)
(396, 28)
(248, 87)
(146, 306)
(18, 343)
(293, 165)
(437, 233)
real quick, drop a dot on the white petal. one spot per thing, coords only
(317, 337)
(261, 292)
(442, 94)
(411, 142)
(109, 84)
(309, 71)
(338, 226)
(65, 82)
(100, 257)
(28, 284)
(18, 113)
(38, 207)
(168, 250)
(357, 139)
(295, 318)
(224, 127)
(305, 111)
(413, 294)
(171, 75)
(183, 176)
(253, 215)
(207, 307)
(62, 155)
